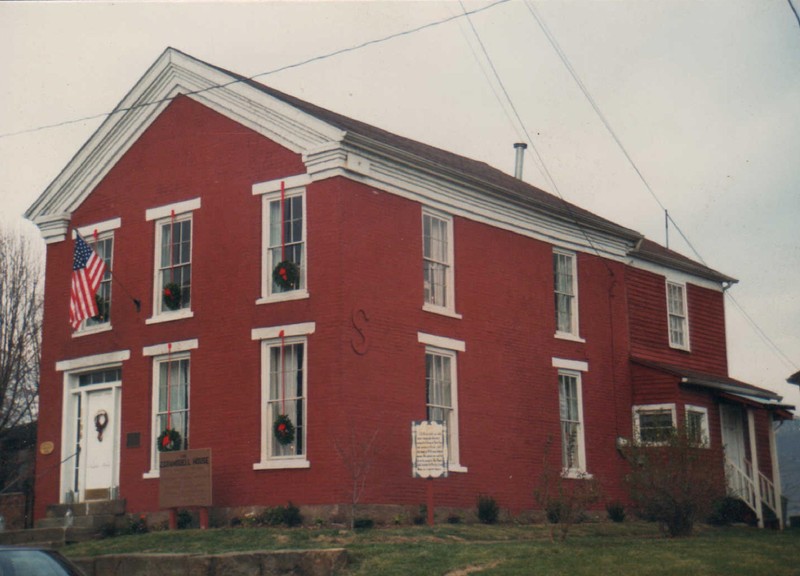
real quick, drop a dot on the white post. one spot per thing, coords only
(751, 425)
(776, 474)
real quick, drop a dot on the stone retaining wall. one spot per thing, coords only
(273, 563)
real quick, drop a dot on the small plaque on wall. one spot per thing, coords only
(46, 448)
(133, 440)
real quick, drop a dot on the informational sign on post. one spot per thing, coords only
(429, 449)
(185, 478)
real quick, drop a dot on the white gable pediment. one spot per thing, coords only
(173, 74)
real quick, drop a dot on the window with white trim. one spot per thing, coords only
(103, 245)
(285, 223)
(653, 424)
(677, 316)
(565, 288)
(171, 387)
(573, 449)
(437, 261)
(284, 393)
(441, 396)
(697, 431)
(174, 263)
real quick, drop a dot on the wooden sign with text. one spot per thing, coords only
(185, 478)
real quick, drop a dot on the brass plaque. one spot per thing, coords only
(46, 448)
(185, 478)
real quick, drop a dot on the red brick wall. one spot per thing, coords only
(366, 368)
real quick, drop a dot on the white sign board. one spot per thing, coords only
(429, 449)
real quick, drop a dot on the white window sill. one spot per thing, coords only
(569, 336)
(299, 294)
(170, 316)
(441, 310)
(152, 474)
(576, 474)
(682, 348)
(282, 464)
(99, 329)
(457, 468)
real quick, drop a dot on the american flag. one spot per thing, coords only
(87, 272)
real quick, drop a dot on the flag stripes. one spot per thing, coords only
(87, 272)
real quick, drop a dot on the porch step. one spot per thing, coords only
(95, 522)
(92, 508)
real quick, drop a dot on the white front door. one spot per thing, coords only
(733, 434)
(98, 447)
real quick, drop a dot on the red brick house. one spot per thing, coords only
(430, 286)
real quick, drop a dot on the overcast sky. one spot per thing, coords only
(704, 96)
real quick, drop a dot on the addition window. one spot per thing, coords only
(697, 426)
(573, 450)
(677, 315)
(441, 390)
(565, 287)
(284, 390)
(437, 262)
(172, 284)
(653, 424)
(287, 233)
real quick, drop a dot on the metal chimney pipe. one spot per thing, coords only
(520, 159)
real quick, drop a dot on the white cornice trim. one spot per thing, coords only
(161, 349)
(94, 361)
(463, 199)
(675, 276)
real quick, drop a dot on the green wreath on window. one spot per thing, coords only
(169, 440)
(283, 430)
(287, 275)
(172, 295)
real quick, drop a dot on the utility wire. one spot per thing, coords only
(554, 43)
(545, 170)
(797, 17)
(273, 71)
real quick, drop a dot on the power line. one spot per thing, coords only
(545, 170)
(274, 71)
(797, 17)
(565, 60)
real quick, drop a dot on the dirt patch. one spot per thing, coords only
(472, 569)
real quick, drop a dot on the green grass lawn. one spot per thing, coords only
(631, 548)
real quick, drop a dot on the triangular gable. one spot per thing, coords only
(174, 73)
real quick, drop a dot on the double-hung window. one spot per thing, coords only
(573, 450)
(284, 395)
(171, 396)
(284, 247)
(441, 389)
(172, 285)
(677, 316)
(100, 237)
(437, 263)
(565, 287)
(653, 424)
